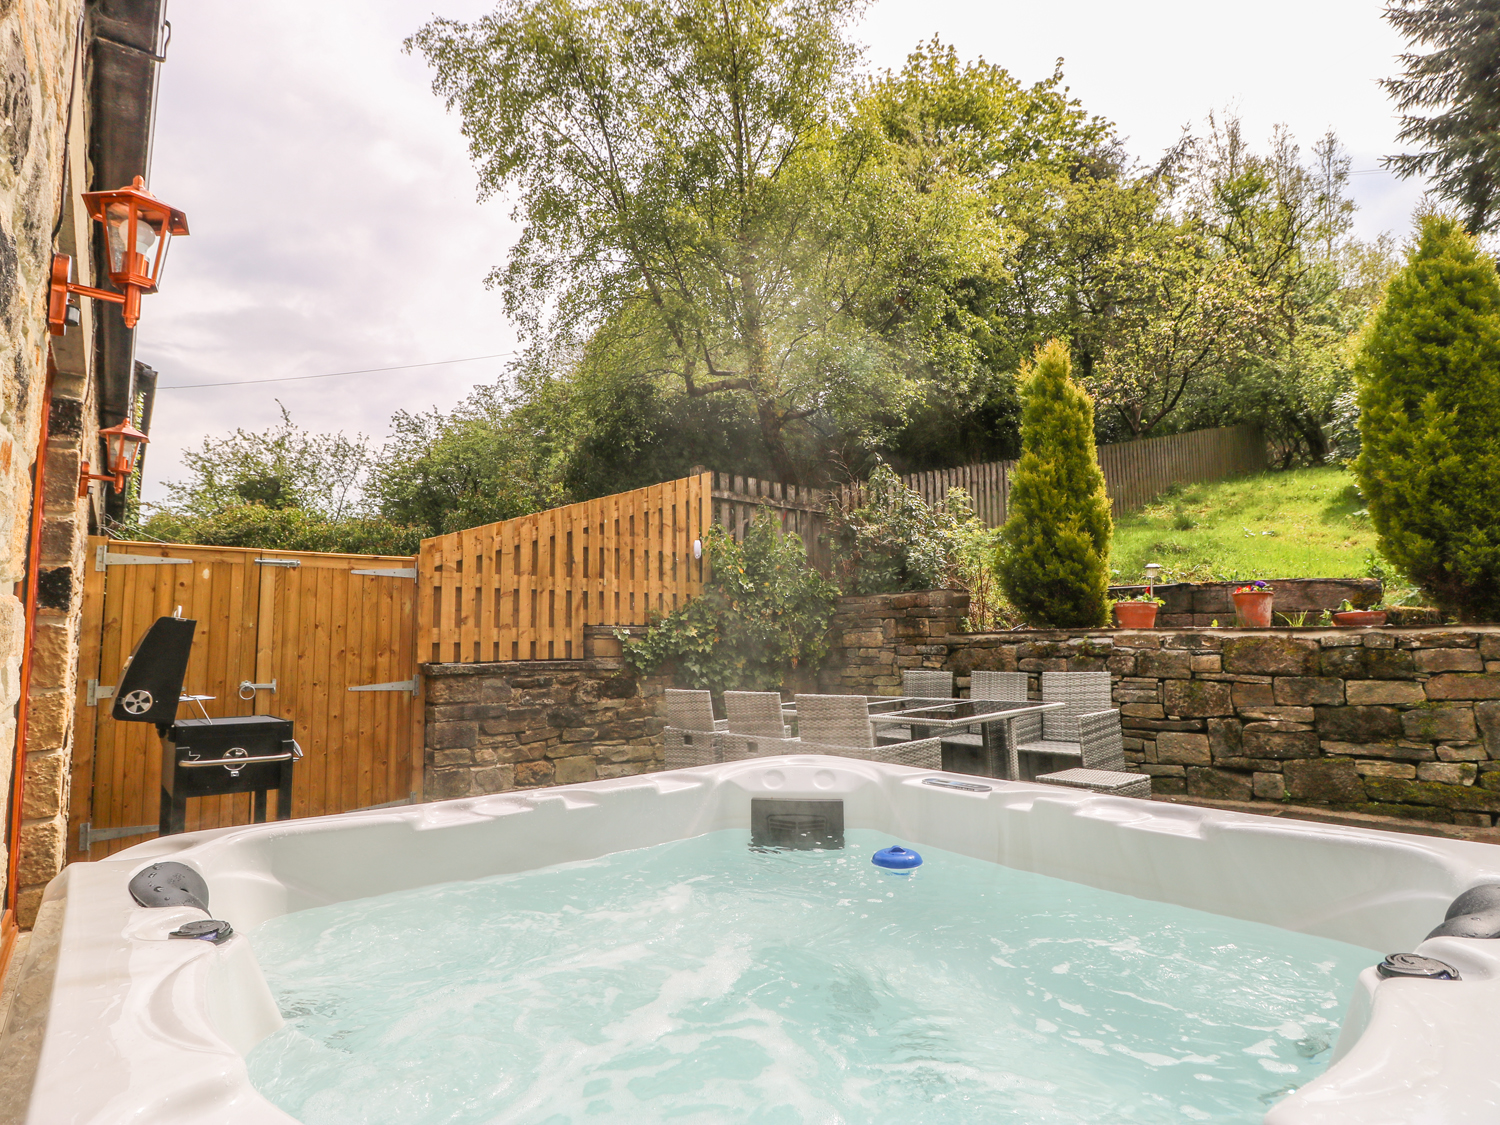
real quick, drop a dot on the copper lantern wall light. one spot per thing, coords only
(122, 448)
(137, 228)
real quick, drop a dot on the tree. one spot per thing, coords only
(284, 488)
(1429, 465)
(697, 167)
(1022, 147)
(1054, 554)
(283, 466)
(1287, 222)
(1460, 79)
(490, 459)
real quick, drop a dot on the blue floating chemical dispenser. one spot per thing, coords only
(896, 858)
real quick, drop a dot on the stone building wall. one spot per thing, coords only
(1400, 722)
(37, 65)
(524, 724)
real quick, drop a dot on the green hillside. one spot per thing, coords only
(1305, 523)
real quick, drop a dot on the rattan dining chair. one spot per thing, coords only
(756, 726)
(1085, 730)
(1102, 758)
(840, 725)
(689, 737)
(927, 683)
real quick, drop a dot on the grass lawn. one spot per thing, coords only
(1305, 523)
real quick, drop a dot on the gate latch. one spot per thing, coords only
(248, 690)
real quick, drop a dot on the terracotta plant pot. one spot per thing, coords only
(1253, 608)
(1359, 617)
(1136, 615)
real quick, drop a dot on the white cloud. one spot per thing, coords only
(333, 203)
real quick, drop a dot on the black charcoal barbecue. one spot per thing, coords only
(202, 757)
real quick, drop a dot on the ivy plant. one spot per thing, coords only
(763, 614)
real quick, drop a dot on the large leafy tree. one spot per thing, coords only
(697, 168)
(1285, 220)
(491, 458)
(1023, 147)
(1459, 79)
(1429, 416)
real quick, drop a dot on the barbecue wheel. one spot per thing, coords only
(137, 702)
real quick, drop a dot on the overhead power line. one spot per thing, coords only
(330, 374)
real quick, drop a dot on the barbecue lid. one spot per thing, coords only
(151, 681)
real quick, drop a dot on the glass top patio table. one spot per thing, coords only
(992, 717)
(880, 704)
(961, 712)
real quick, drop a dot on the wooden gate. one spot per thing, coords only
(334, 634)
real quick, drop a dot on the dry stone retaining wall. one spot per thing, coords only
(530, 723)
(878, 636)
(1399, 722)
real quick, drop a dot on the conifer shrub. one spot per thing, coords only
(1053, 559)
(1429, 464)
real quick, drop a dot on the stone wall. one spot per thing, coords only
(878, 636)
(1203, 603)
(1399, 722)
(524, 724)
(37, 61)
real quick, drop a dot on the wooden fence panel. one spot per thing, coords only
(1135, 473)
(524, 589)
(316, 628)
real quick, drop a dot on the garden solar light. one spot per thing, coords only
(1153, 574)
(137, 230)
(122, 446)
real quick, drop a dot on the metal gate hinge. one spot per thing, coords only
(104, 558)
(390, 572)
(395, 685)
(291, 563)
(96, 692)
(88, 835)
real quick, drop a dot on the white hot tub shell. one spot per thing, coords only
(145, 1029)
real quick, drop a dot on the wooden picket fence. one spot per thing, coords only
(988, 486)
(523, 589)
(738, 500)
(1135, 472)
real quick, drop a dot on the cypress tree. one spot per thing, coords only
(1429, 371)
(1053, 559)
(1460, 79)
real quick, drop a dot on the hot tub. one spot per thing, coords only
(146, 1029)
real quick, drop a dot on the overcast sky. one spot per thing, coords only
(334, 214)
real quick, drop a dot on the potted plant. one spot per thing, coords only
(1252, 604)
(1138, 611)
(1349, 617)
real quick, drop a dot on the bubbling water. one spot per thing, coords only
(702, 981)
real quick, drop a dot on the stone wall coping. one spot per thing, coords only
(523, 667)
(1230, 631)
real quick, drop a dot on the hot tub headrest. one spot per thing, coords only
(170, 884)
(1473, 914)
